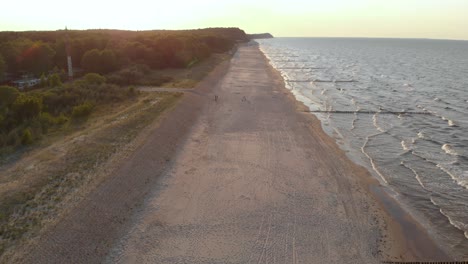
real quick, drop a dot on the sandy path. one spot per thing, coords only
(163, 89)
(253, 185)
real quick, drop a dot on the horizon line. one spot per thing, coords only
(140, 30)
(414, 38)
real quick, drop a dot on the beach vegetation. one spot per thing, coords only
(2, 68)
(54, 80)
(106, 51)
(109, 62)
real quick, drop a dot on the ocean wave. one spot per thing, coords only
(450, 150)
(421, 135)
(416, 175)
(353, 123)
(405, 146)
(372, 162)
(375, 122)
(460, 180)
(458, 225)
(452, 123)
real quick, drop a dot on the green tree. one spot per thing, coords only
(104, 61)
(43, 82)
(2, 68)
(136, 51)
(27, 137)
(108, 61)
(37, 58)
(11, 52)
(54, 80)
(91, 61)
(8, 95)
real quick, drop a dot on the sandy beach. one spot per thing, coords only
(245, 178)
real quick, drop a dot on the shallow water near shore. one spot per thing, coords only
(422, 158)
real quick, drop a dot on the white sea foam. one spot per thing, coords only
(416, 175)
(405, 146)
(450, 150)
(460, 180)
(421, 135)
(451, 123)
(376, 125)
(374, 166)
(459, 225)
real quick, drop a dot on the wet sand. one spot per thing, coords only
(248, 178)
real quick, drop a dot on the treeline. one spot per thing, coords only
(104, 51)
(121, 56)
(260, 36)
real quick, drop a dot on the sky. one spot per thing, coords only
(440, 19)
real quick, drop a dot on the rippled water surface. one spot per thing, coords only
(422, 155)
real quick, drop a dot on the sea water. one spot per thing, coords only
(422, 156)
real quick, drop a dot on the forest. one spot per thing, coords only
(106, 62)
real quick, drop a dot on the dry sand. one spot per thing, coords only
(244, 179)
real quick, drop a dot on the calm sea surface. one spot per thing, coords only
(422, 158)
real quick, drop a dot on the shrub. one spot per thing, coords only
(143, 68)
(82, 111)
(128, 76)
(13, 138)
(61, 119)
(27, 107)
(94, 78)
(8, 95)
(27, 137)
(131, 91)
(46, 120)
(54, 80)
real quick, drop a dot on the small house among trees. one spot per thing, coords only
(26, 83)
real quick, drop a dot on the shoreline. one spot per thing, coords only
(404, 229)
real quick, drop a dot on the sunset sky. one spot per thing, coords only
(446, 19)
